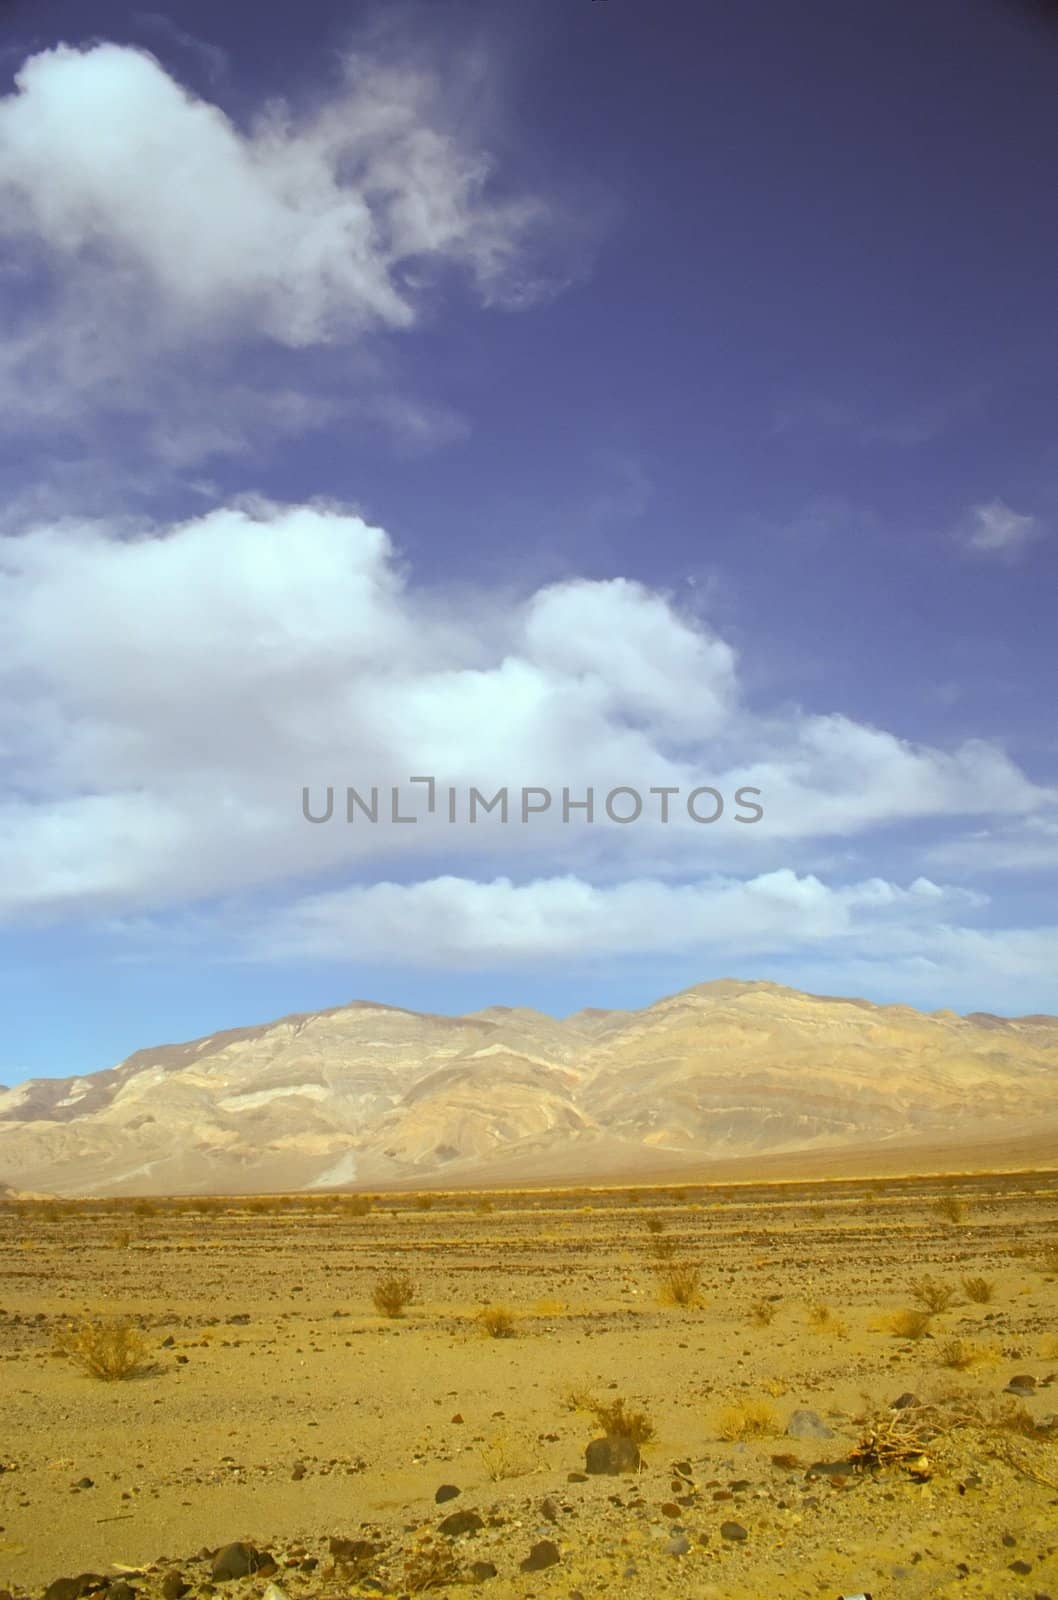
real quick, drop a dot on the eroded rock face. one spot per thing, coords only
(369, 1094)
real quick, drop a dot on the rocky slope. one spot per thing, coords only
(370, 1095)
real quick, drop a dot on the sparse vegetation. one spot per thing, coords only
(914, 1323)
(108, 1350)
(680, 1283)
(747, 1419)
(963, 1353)
(951, 1208)
(497, 1322)
(932, 1293)
(393, 1294)
(762, 1313)
(980, 1290)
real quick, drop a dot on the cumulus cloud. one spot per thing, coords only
(167, 692)
(146, 230)
(995, 529)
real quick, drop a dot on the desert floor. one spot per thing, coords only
(281, 1409)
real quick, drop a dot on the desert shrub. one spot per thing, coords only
(497, 1322)
(103, 1349)
(980, 1290)
(911, 1324)
(144, 1208)
(123, 1238)
(356, 1205)
(655, 1224)
(484, 1205)
(932, 1293)
(951, 1208)
(393, 1294)
(1049, 1263)
(680, 1283)
(762, 1313)
(619, 1420)
(424, 1202)
(824, 1320)
(747, 1419)
(962, 1353)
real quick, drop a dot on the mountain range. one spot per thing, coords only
(728, 1076)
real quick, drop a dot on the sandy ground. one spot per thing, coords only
(281, 1409)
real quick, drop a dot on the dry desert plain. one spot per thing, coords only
(279, 1409)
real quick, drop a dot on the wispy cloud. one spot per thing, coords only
(996, 529)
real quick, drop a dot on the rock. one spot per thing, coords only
(576, 1477)
(274, 1592)
(831, 1469)
(733, 1531)
(118, 1589)
(612, 1455)
(298, 1472)
(548, 1509)
(357, 1552)
(671, 1510)
(808, 1425)
(905, 1401)
(1023, 1383)
(480, 1571)
(679, 1544)
(458, 1523)
(84, 1483)
(238, 1560)
(543, 1554)
(447, 1491)
(168, 1342)
(74, 1588)
(174, 1586)
(1022, 1568)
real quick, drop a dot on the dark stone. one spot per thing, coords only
(174, 1586)
(612, 1455)
(298, 1472)
(1022, 1568)
(831, 1469)
(74, 1588)
(543, 1554)
(905, 1401)
(576, 1477)
(447, 1491)
(84, 1483)
(733, 1531)
(678, 1545)
(481, 1571)
(238, 1560)
(459, 1522)
(1023, 1383)
(120, 1590)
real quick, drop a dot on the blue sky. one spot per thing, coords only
(566, 396)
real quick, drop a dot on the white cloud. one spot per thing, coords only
(996, 529)
(456, 922)
(151, 237)
(165, 693)
(299, 228)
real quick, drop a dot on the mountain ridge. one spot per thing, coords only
(376, 1095)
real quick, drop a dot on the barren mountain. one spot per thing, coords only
(373, 1095)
